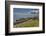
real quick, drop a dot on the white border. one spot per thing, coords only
(25, 29)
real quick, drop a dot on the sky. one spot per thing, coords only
(23, 13)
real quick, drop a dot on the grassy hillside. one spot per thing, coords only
(29, 23)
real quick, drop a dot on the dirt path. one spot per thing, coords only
(26, 22)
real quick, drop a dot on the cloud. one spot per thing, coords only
(22, 14)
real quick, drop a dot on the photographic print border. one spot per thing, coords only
(7, 19)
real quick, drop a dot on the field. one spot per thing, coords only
(28, 23)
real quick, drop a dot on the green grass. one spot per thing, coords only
(29, 23)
